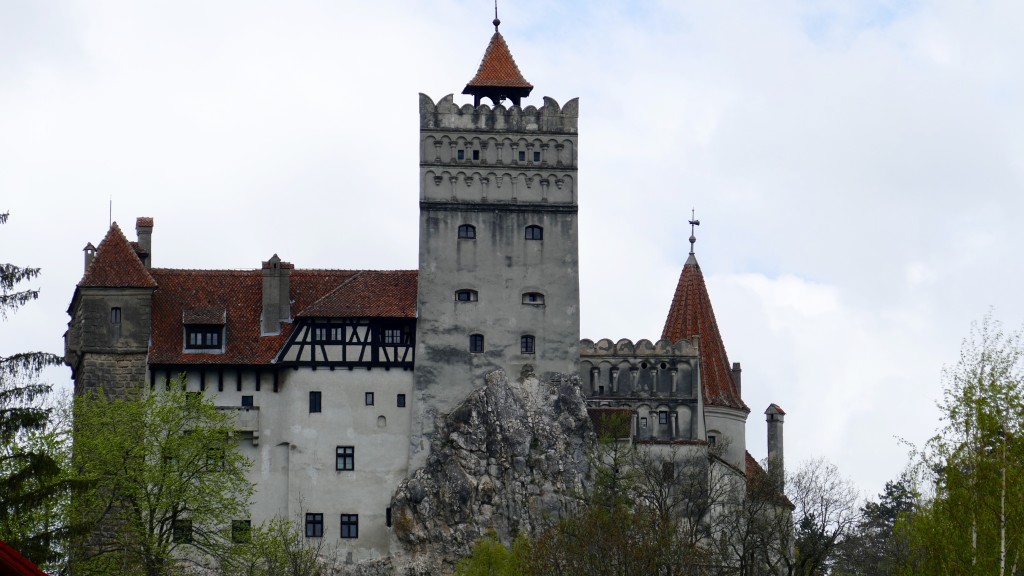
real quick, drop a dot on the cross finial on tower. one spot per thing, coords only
(693, 222)
(496, 22)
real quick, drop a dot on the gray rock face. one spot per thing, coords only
(511, 457)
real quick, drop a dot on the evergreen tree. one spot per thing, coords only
(30, 453)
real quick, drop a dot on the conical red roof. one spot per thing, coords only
(498, 68)
(691, 314)
(116, 265)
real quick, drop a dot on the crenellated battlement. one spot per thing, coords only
(549, 118)
(644, 348)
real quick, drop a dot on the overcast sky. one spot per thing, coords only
(857, 168)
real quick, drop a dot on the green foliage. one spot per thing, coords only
(492, 558)
(277, 548)
(972, 521)
(165, 481)
(33, 448)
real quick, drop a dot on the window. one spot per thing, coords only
(241, 531)
(350, 525)
(535, 298)
(600, 392)
(314, 401)
(387, 516)
(346, 457)
(369, 398)
(246, 401)
(392, 336)
(534, 233)
(663, 417)
(314, 525)
(536, 156)
(712, 439)
(327, 334)
(466, 296)
(522, 155)
(115, 315)
(526, 344)
(476, 342)
(203, 337)
(476, 154)
(461, 154)
(181, 531)
(401, 400)
(467, 231)
(643, 422)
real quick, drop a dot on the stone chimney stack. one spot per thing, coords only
(144, 231)
(775, 417)
(737, 374)
(90, 255)
(276, 295)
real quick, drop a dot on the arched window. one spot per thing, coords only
(465, 296)
(533, 298)
(467, 231)
(526, 344)
(534, 232)
(476, 342)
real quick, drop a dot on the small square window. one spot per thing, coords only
(246, 401)
(643, 422)
(346, 458)
(401, 400)
(392, 336)
(314, 401)
(314, 525)
(369, 398)
(476, 342)
(526, 344)
(663, 417)
(241, 531)
(181, 531)
(711, 439)
(600, 391)
(536, 156)
(350, 525)
(535, 298)
(461, 154)
(203, 337)
(466, 296)
(476, 154)
(534, 232)
(522, 155)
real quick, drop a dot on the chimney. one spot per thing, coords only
(775, 417)
(144, 232)
(737, 374)
(276, 295)
(90, 255)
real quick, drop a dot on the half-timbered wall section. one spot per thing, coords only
(351, 342)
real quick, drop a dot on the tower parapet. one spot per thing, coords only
(446, 115)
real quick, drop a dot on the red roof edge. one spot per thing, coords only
(12, 562)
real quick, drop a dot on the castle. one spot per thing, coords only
(338, 376)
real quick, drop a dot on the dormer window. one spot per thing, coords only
(533, 298)
(534, 232)
(204, 337)
(467, 232)
(466, 296)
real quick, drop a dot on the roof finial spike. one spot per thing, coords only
(693, 222)
(496, 22)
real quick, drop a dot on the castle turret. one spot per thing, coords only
(775, 417)
(498, 283)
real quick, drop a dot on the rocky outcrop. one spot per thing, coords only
(511, 457)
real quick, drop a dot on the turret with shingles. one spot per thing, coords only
(498, 77)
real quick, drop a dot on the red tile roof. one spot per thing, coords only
(14, 564)
(691, 314)
(240, 295)
(116, 265)
(498, 68)
(369, 294)
(759, 484)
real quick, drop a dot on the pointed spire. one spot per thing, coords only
(691, 314)
(498, 76)
(116, 265)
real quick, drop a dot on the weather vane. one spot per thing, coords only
(693, 222)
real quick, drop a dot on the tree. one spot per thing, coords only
(824, 514)
(165, 481)
(878, 546)
(972, 518)
(492, 558)
(277, 548)
(31, 454)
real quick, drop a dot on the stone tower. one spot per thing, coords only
(498, 257)
(107, 341)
